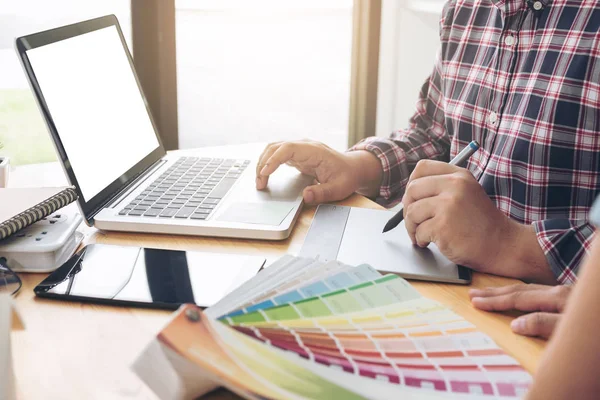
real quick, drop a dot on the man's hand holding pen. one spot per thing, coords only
(445, 205)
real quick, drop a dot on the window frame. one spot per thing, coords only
(154, 56)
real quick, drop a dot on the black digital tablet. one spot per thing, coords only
(146, 277)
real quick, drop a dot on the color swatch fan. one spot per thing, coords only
(304, 329)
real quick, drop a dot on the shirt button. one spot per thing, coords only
(537, 6)
(493, 118)
(509, 40)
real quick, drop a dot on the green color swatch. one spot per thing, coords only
(383, 291)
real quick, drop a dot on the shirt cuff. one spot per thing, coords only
(565, 244)
(393, 161)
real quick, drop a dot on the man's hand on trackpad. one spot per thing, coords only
(338, 175)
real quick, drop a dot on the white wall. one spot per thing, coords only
(409, 42)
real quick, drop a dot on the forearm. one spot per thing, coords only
(368, 170)
(569, 366)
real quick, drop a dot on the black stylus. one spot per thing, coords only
(460, 158)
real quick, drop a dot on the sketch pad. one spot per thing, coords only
(354, 236)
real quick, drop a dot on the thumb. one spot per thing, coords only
(537, 324)
(325, 192)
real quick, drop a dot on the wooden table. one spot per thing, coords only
(83, 351)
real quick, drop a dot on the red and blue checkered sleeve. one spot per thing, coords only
(565, 243)
(425, 138)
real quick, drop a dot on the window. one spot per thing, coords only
(23, 133)
(263, 71)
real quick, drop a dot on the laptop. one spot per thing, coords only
(84, 81)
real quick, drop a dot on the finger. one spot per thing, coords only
(498, 291)
(539, 324)
(524, 300)
(422, 188)
(262, 181)
(417, 213)
(264, 156)
(286, 152)
(431, 168)
(324, 192)
(425, 233)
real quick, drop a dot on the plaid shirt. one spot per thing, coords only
(523, 79)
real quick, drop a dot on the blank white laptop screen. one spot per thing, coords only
(96, 105)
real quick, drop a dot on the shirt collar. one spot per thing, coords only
(513, 6)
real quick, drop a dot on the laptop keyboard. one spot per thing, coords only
(190, 188)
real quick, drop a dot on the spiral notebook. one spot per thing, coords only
(20, 208)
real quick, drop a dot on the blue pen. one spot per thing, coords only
(460, 159)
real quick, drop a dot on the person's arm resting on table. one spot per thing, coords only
(574, 346)
(445, 205)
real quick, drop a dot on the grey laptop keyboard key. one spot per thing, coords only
(153, 212)
(169, 212)
(222, 188)
(185, 212)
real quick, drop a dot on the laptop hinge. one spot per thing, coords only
(135, 183)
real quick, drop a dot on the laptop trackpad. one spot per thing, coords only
(263, 213)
